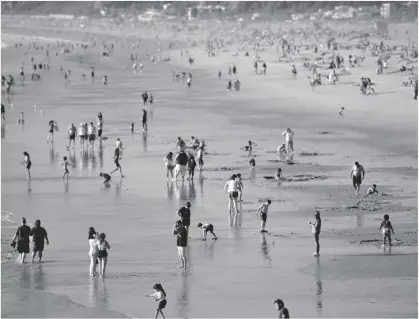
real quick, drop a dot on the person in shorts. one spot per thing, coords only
(181, 163)
(116, 161)
(205, 229)
(22, 236)
(387, 229)
(263, 212)
(185, 215)
(145, 98)
(39, 235)
(182, 241)
(357, 175)
(160, 296)
(71, 135)
(231, 189)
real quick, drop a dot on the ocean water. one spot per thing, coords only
(242, 273)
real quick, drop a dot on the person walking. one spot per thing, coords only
(22, 236)
(39, 235)
(357, 175)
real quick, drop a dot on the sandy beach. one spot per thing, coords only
(242, 273)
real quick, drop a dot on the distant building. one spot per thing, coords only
(385, 10)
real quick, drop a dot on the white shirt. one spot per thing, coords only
(200, 154)
(91, 130)
(231, 186)
(168, 162)
(99, 124)
(159, 295)
(93, 247)
(81, 130)
(118, 144)
(288, 135)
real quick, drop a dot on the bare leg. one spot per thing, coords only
(33, 256)
(40, 256)
(104, 263)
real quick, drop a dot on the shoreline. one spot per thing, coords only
(241, 120)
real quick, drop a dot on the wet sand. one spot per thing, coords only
(138, 212)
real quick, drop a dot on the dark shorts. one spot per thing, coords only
(186, 222)
(102, 254)
(37, 246)
(72, 136)
(92, 137)
(99, 133)
(263, 217)
(28, 165)
(82, 137)
(234, 195)
(51, 131)
(357, 180)
(162, 304)
(200, 162)
(23, 246)
(189, 84)
(209, 229)
(117, 163)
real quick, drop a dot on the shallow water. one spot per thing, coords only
(237, 276)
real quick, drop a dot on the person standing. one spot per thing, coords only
(144, 120)
(22, 236)
(116, 161)
(39, 235)
(3, 111)
(93, 251)
(316, 228)
(181, 162)
(416, 90)
(185, 215)
(99, 126)
(182, 241)
(160, 296)
(357, 174)
(102, 255)
(145, 98)
(168, 162)
(289, 139)
(28, 163)
(200, 156)
(232, 190)
(71, 135)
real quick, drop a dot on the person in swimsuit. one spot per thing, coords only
(71, 135)
(106, 177)
(231, 189)
(116, 161)
(316, 228)
(168, 162)
(28, 163)
(357, 175)
(144, 120)
(289, 139)
(200, 156)
(93, 251)
(239, 185)
(91, 133)
(283, 312)
(65, 164)
(160, 296)
(387, 229)
(205, 229)
(151, 99)
(102, 246)
(82, 134)
(294, 72)
(372, 190)
(263, 212)
(99, 126)
(51, 131)
(92, 73)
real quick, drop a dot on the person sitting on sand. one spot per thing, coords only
(106, 177)
(283, 312)
(386, 227)
(249, 146)
(372, 190)
(205, 229)
(263, 212)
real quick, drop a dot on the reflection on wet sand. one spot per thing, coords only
(265, 250)
(192, 192)
(319, 290)
(145, 142)
(169, 186)
(3, 130)
(180, 191)
(52, 154)
(359, 220)
(98, 292)
(39, 282)
(183, 296)
(100, 153)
